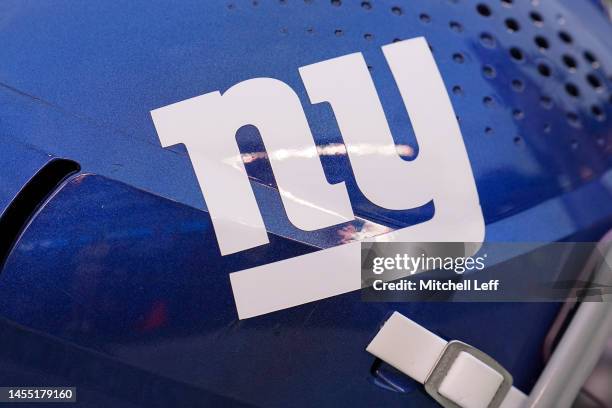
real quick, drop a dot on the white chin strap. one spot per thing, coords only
(454, 374)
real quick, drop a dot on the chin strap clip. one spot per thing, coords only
(455, 374)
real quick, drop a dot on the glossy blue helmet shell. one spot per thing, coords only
(117, 285)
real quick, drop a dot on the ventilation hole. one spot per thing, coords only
(368, 36)
(338, 32)
(231, 6)
(458, 58)
(518, 140)
(518, 85)
(512, 25)
(506, 3)
(536, 18)
(516, 54)
(544, 70)
(425, 18)
(547, 128)
(284, 30)
(595, 82)
(518, 114)
(483, 10)
(572, 90)
(32, 195)
(546, 102)
(542, 42)
(565, 37)
(457, 90)
(455, 26)
(310, 30)
(591, 59)
(573, 119)
(366, 5)
(487, 40)
(370, 68)
(396, 10)
(489, 71)
(336, 3)
(488, 101)
(598, 113)
(396, 40)
(255, 3)
(570, 62)
(488, 130)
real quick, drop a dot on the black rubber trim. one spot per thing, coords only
(29, 199)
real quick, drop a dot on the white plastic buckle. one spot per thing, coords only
(446, 360)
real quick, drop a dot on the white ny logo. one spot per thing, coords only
(207, 125)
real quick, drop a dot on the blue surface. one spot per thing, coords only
(100, 68)
(132, 276)
(121, 268)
